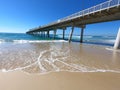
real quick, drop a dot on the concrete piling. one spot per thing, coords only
(117, 41)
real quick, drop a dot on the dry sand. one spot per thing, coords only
(18, 80)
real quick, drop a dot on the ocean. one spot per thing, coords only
(90, 39)
(93, 39)
(39, 55)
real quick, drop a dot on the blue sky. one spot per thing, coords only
(22, 15)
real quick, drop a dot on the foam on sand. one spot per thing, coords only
(48, 57)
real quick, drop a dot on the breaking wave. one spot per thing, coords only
(30, 41)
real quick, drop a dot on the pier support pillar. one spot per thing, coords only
(81, 36)
(40, 34)
(48, 34)
(37, 33)
(55, 33)
(44, 34)
(117, 42)
(71, 33)
(63, 33)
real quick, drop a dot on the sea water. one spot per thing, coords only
(35, 54)
(91, 39)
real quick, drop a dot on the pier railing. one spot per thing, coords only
(99, 7)
(103, 6)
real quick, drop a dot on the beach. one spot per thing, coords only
(18, 80)
(45, 45)
(54, 56)
(59, 65)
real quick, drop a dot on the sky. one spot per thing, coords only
(19, 16)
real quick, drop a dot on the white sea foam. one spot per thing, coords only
(30, 41)
(36, 41)
(102, 41)
(2, 41)
(109, 41)
(72, 68)
(62, 65)
(88, 36)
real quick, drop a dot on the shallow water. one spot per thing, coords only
(106, 40)
(54, 56)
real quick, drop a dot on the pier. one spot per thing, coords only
(103, 12)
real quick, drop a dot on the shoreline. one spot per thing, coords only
(72, 57)
(65, 56)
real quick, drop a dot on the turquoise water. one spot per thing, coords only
(8, 37)
(92, 39)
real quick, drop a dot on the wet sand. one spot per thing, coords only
(18, 80)
(72, 67)
(54, 57)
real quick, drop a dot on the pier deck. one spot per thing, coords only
(104, 12)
